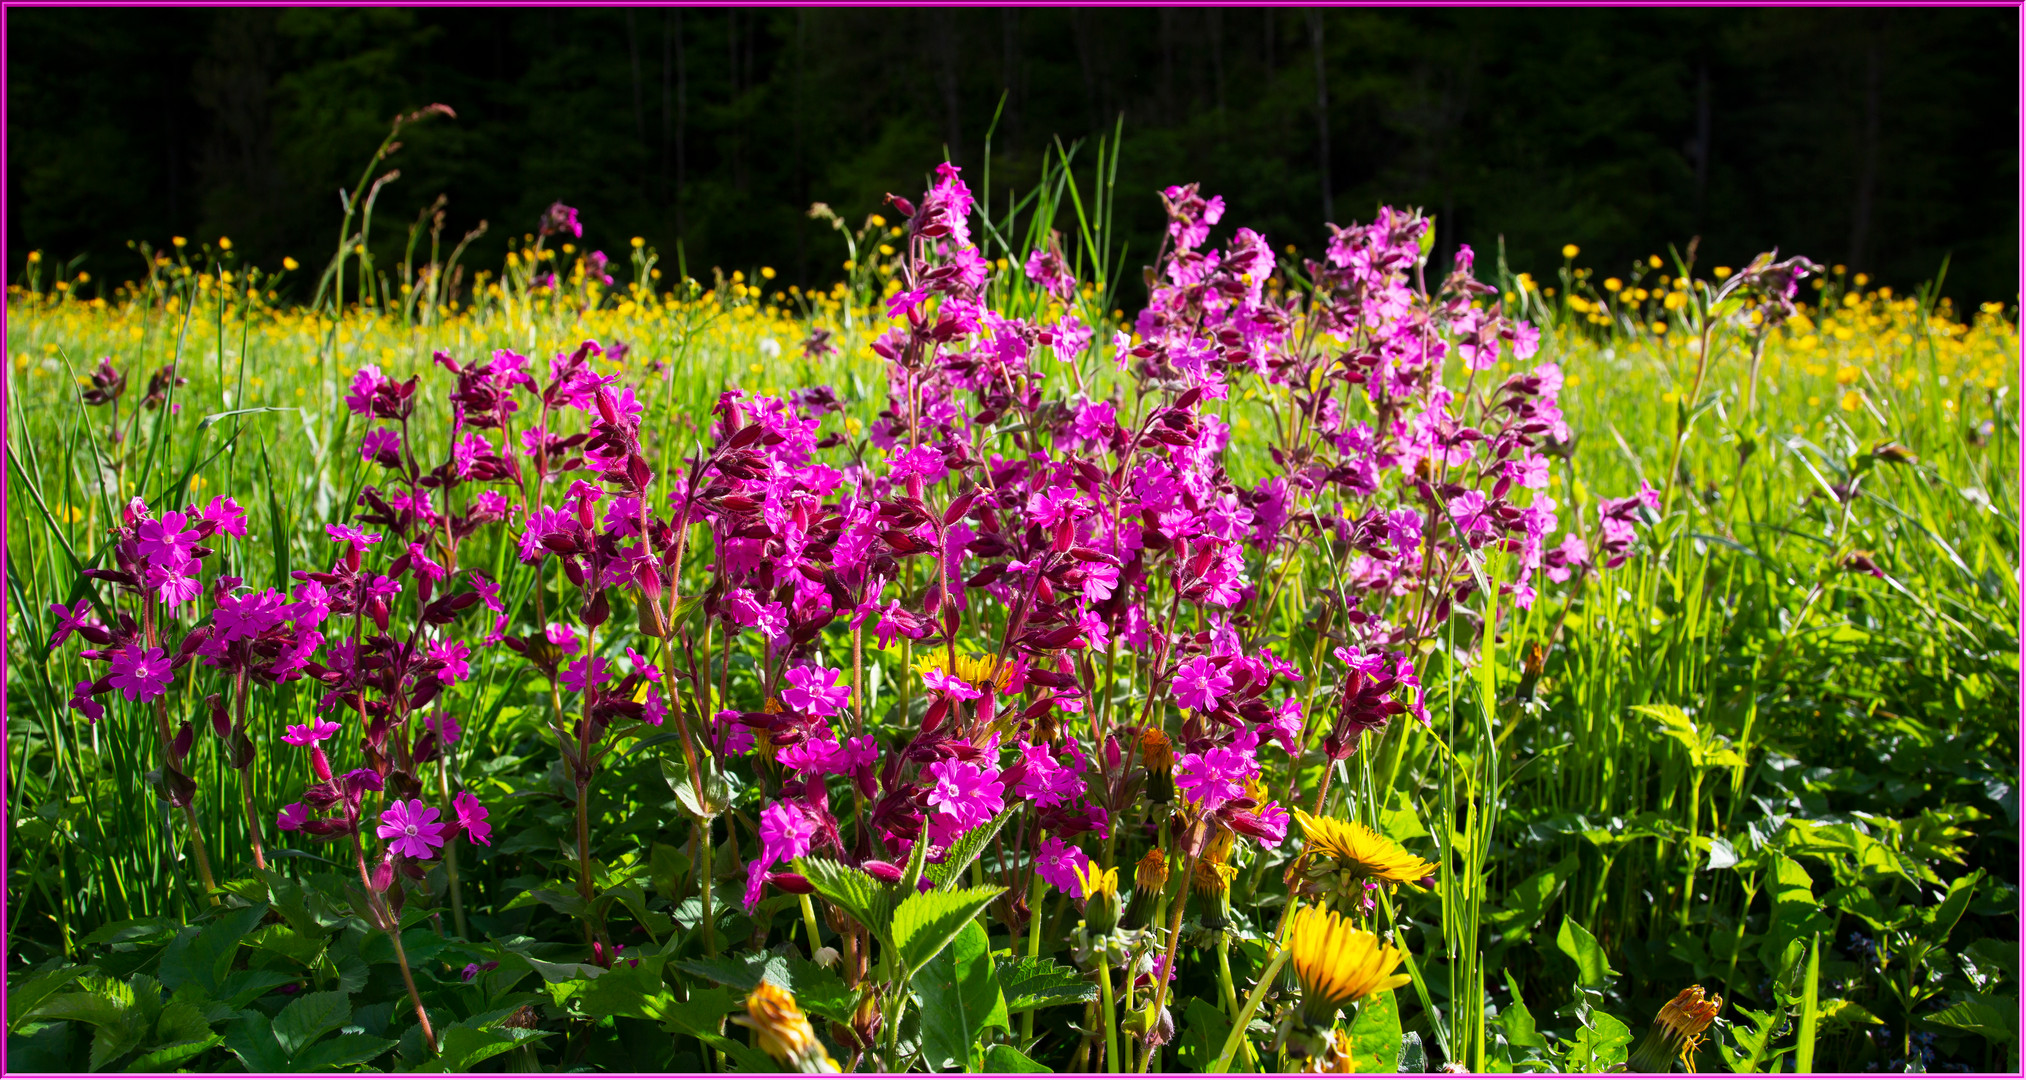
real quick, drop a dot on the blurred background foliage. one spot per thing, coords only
(1884, 139)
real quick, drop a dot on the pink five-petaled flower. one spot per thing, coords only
(814, 690)
(292, 817)
(785, 831)
(957, 689)
(471, 818)
(1198, 684)
(446, 728)
(69, 619)
(585, 675)
(1057, 863)
(410, 828)
(230, 516)
(1214, 777)
(309, 734)
(455, 658)
(351, 535)
(247, 616)
(165, 542)
(141, 673)
(563, 637)
(962, 795)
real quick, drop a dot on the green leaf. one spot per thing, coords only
(181, 1021)
(1001, 1058)
(84, 1006)
(285, 942)
(28, 991)
(1375, 1035)
(1593, 970)
(1993, 1016)
(1796, 915)
(627, 990)
(926, 922)
(1754, 1041)
(1941, 919)
(742, 972)
(310, 1017)
(166, 1058)
(702, 1016)
(960, 998)
(1517, 1022)
(1527, 903)
(1036, 982)
(717, 793)
(241, 988)
(1204, 1029)
(1600, 1046)
(341, 1051)
(857, 892)
(462, 1047)
(251, 1039)
(206, 956)
(966, 849)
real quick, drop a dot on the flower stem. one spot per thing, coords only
(1034, 887)
(1244, 1017)
(450, 851)
(1107, 1015)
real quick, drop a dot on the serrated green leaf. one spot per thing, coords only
(966, 849)
(26, 992)
(310, 1017)
(181, 1021)
(1037, 982)
(166, 1058)
(251, 1040)
(925, 923)
(341, 1051)
(860, 894)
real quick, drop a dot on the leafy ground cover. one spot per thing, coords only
(1326, 664)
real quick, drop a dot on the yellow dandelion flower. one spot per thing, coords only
(976, 670)
(1337, 963)
(1351, 850)
(784, 1032)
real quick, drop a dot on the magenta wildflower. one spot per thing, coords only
(563, 637)
(962, 795)
(446, 728)
(1215, 776)
(814, 690)
(785, 831)
(411, 828)
(351, 535)
(248, 616)
(471, 818)
(454, 656)
(292, 817)
(142, 674)
(1057, 863)
(228, 515)
(956, 689)
(309, 734)
(586, 675)
(1198, 684)
(69, 620)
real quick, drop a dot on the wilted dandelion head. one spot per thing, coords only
(784, 1032)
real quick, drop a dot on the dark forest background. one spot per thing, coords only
(1883, 139)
